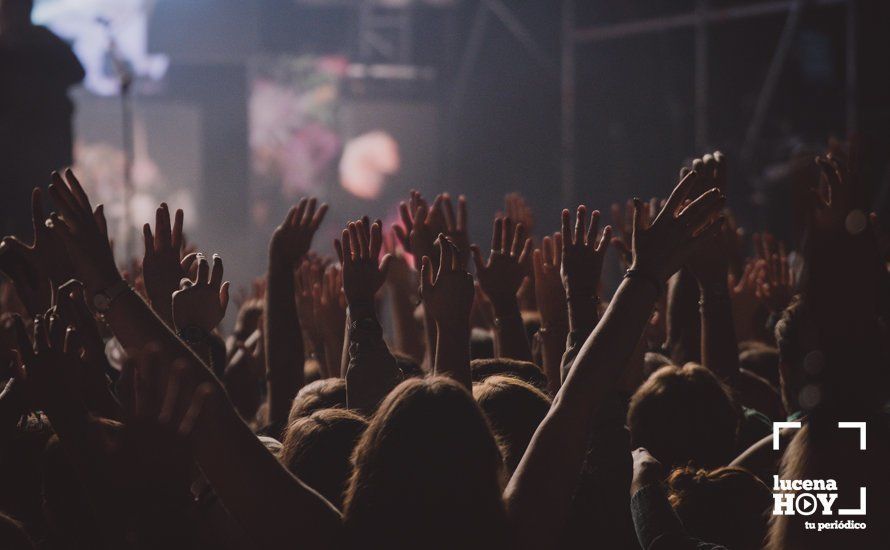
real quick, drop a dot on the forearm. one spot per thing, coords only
(683, 332)
(372, 371)
(553, 344)
(284, 342)
(256, 489)
(453, 354)
(510, 337)
(719, 348)
(408, 334)
(583, 315)
(539, 493)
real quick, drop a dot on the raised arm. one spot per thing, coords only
(538, 495)
(551, 301)
(284, 338)
(253, 485)
(582, 266)
(372, 370)
(448, 299)
(163, 266)
(200, 306)
(500, 279)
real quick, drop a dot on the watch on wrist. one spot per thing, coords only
(102, 300)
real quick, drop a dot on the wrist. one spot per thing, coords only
(361, 309)
(506, 307)
(647, 277)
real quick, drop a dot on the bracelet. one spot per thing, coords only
(639, 274)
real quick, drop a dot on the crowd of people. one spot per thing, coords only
(507, 403)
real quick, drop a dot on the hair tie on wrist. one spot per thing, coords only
(639, 274)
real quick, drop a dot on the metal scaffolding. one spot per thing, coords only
(701, 20)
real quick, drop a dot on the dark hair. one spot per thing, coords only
(327, 393)
(728, 506)
(684, 414)
(515, 409)
(523, 370)
(318, 448)
(427, 457)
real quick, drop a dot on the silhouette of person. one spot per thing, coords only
(36, 70)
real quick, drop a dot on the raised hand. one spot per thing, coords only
(363, 273)
(622, 222)
(549, 291)
(32, 268)
(456, 225)
(202, 302)
(661, 248)
(500, 279)
(163, 266)
(712, 170)
(307, 276)
(448, 300)
(776, 281)
(550, 296)
(583, 254)
(517, 209)
(329, 307)
(49, 368)
(447, 296)
(502, 275)
(743, 295)
(89, 346)
(418, 231)
(293, 238)
(84, 233)
(329, 302)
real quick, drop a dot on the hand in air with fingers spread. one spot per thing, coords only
(502, 275)
(363, 274)
(163, 266)
(456, 226)
(202, 303)
(32, 268)
(449, 296)
(583, 254)
(661, 248)
(417, 233)
(84, 233)
(293, 238)
(549, 291)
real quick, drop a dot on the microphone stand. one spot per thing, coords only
(125, 81)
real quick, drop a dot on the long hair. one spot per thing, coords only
(427, 473)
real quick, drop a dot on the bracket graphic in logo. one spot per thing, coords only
(805, 503)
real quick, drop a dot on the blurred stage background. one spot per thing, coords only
(242, 106)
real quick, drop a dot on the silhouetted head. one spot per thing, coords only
(727, 506)
(427, 472)
(684, 414)
(523, 370)
(327, 393)
(318, 449)
(801, 362)
(514, 409)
